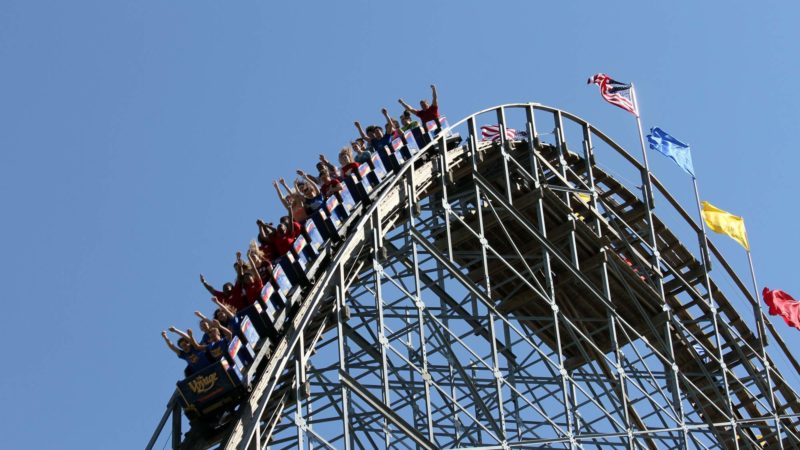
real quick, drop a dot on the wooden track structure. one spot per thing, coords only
(538, 264)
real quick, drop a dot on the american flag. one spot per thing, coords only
(614, 92)
(492, 133)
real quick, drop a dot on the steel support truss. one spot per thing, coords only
(504, 295)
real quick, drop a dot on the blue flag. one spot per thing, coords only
(671, 147)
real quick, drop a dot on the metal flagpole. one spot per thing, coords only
(659, 280)
(759, 317)
(703, 239)
(762, 342)
(714, 311)
(756, 311)
(648, 188)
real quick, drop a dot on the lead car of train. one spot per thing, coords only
(209, 394)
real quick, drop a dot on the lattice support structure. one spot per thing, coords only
(517, 294)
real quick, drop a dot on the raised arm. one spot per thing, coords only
(224, 308)
(225, 332)
(361, 131)
(286, 186)
(385, 113)
(280, 194)
(200, 315)
(391, 127)
(407, 106)
(264, 229)
(433, 92)
(311, 183)
(193, 341)
(239, 265)
(254, 252)
(263, 234)
(170, 344)
(208, 287)
(179, 332)
(331, 168)
(255, 273)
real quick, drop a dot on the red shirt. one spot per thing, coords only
(329, 188)
(234, 299)
(426, 115)
(282, 242)
(268, 249)
(253, 293)
(297, 229)
(347, 169)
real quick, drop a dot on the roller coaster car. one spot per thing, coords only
(335, 216)
(396, 154)
(359, 187)
(265, 317)
(211, 391)
(305, 256)
(318, 224)
(315, 237)
(434, 128)
(412, 144)
(282, 283)
(421, 137)
(378, 169)
(346, 200)
(291, 268)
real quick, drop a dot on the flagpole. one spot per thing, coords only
(648, 185)
(704, 239)
(648, 203)
(706, 255)
(648, 194)
(762, 341)
(760, 329)
(756, 308)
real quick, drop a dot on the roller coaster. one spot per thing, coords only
(512, 293)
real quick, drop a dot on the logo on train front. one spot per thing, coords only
(203, 384)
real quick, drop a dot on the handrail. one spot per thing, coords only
(674, 203)
(690, 221)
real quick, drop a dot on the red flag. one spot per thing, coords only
(782, 304)
(615, 92)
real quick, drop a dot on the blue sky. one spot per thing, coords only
(139, 140)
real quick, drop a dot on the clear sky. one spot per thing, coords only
(138, 140)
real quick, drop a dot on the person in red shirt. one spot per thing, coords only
(324, 165)
(283, 237)
(330, 185)
(263, 250)
(261, 257)
(349, 166)
(427, 112)
(253, 283)
(231, 294)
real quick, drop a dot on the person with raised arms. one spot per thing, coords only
(188, 350)
(427, 112)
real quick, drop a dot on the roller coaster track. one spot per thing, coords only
(516, 294)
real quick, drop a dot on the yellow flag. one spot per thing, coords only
(725, 223)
